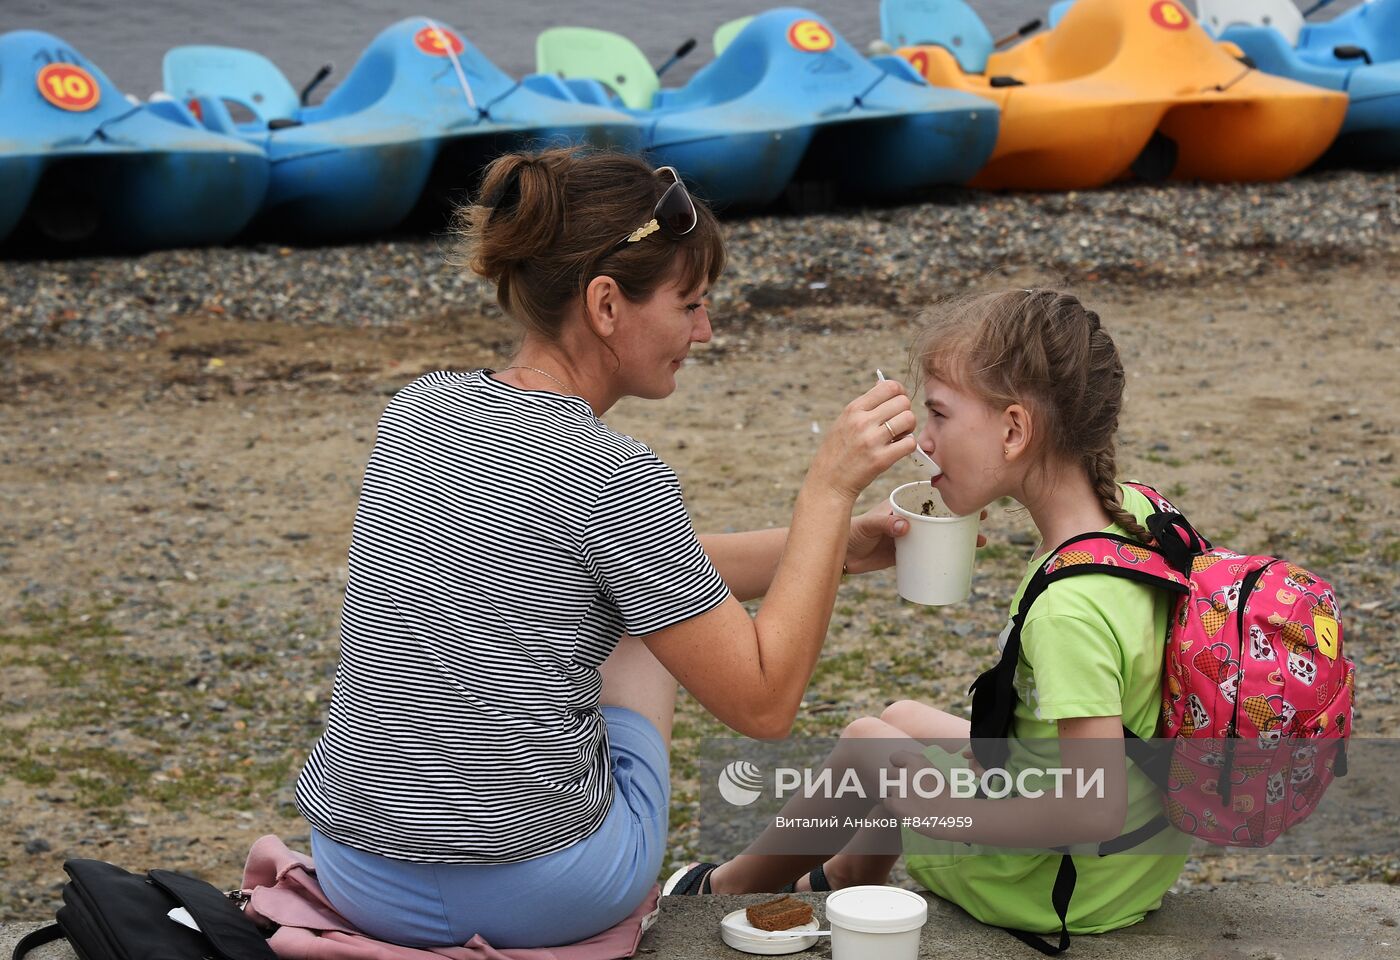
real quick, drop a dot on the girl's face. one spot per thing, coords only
(964, 435)
(655, 337)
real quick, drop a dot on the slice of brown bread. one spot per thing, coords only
(780, 914)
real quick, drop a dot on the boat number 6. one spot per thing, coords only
(1167, 13)
(68, 87)
(810, 36)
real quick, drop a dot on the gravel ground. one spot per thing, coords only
(1140, 234)
(182, 438)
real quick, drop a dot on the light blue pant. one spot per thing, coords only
(559, 898)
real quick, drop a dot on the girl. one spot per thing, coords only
(495, 760)
(1023, 391)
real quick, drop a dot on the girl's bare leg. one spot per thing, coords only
(759, 869)
(921, 722)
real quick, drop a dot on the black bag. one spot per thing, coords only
(110, 914)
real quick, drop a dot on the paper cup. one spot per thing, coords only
(933, 561)
(875, 923)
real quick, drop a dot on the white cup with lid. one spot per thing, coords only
(875, 923)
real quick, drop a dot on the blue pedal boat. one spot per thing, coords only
(1357, 53)
(789, 107)
(83, 168)
(409, 129)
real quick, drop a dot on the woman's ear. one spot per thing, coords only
(1016, 431)
(601, 300)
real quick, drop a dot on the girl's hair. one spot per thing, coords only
(1046, 351)
(545, 224)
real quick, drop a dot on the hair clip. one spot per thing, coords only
(506, 196)
(645, 230)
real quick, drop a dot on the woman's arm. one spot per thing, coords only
(751, 672)
(746, 561)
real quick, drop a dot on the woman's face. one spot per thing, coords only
(964, 435)
(655, 336)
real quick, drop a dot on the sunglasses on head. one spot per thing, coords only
(674, 214)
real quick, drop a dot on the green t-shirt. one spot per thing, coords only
(1092, 646)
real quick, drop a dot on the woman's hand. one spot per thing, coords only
(874, 431)
(873, 533)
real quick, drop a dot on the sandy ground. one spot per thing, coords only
(177, 516)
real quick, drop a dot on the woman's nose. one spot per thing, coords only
(702, 332)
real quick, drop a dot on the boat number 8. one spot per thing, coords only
(810, 36)
(1168, 14)
(68, 87)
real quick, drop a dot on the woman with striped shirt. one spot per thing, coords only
(526, 588)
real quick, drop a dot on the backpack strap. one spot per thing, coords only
(1060, 895)
(994, 692)
(1108, 553)
(1174, 535)
(37, 938)
(1067, 876)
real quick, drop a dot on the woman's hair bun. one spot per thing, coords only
(518, 214)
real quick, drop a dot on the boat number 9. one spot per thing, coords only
(810, 36)
(1168, 14)
(68, 87)
(430, 41)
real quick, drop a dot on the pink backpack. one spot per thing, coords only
(1255, 677)
(1257, 695)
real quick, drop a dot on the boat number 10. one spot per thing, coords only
(68, 87)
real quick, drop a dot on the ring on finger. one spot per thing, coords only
(889, 430)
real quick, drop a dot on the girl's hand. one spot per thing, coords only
(874, 431)
(873, 533)
(909, 802)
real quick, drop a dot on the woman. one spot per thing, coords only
(526, 588)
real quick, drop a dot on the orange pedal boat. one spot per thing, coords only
(1136, 87)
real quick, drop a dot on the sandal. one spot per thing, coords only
(816, 878)
(690, 881)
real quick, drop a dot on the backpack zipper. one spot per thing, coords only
(1232, 732)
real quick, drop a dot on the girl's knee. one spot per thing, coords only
(866, 728)
(899, 713)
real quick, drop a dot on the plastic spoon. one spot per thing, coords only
(919, 457)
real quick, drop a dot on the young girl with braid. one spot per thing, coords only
(1022, 391)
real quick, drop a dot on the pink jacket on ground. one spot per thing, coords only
(282, 888)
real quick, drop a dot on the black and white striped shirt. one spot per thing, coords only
(504, 541)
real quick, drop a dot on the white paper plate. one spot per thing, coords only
(736, 931)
